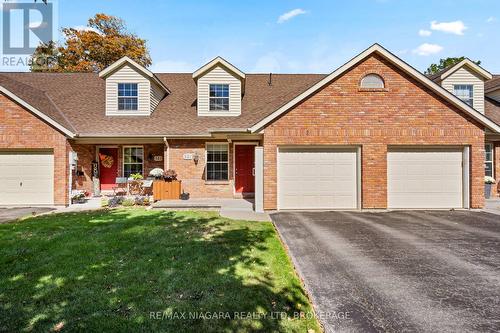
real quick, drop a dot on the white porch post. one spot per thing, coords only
(259, 179)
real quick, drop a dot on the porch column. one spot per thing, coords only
(259, 179)
(166, 161)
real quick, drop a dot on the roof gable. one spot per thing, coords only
(218, 61)
(376, 48)
(141, 69)
(484, 74)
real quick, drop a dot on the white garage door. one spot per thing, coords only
(423, 178)
(26, 178)
(317, 178)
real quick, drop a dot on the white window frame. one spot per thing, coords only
(465, 100)
(486, 162)
(207, 144)
(118, 96)
(123, 159)
(211, 98)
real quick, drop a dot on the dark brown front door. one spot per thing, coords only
(108, 167)
(244, 168)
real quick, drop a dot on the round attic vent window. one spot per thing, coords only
(372, 81)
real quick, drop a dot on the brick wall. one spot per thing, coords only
(404, 113)
(193, 175)
(20, 129)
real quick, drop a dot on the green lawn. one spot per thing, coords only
(137, 270)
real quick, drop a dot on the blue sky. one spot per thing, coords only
(311, 36)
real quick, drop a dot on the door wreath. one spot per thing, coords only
(106, 160)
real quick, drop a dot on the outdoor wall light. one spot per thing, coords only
(196, 158)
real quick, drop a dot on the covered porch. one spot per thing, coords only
(214, 168)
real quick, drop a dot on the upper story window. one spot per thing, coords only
(219, 97)
(127, 96)
(464, 92)
(372, 81)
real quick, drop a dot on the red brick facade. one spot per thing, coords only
(20, 129)
(404, 113)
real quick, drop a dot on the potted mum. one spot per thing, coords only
(156, 173)
(488, 184)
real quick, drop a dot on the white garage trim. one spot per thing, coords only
(425, 177)
(355, 187)
(27, 177)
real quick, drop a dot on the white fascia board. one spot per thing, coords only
(467, 62)
(215, 62)
(399, 63)
(37, 112)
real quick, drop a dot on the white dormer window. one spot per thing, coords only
(465, 92)
(220, 87)
(131, 89)
(127, 96)
(219, 97)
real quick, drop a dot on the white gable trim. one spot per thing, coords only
(466, 62)
(37, 112)
(396, 61)
(215, 62)
(126, 60)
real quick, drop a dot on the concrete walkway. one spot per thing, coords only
(492, 206)
(90, 204)
(238, 209)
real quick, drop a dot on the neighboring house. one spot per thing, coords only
(375, 133)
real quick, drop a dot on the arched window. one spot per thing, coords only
(372, 81)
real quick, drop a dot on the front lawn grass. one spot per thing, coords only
(137, 270)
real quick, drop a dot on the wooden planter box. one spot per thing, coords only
(164, 190)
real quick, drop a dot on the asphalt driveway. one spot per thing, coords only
(427, 271)
(9, 214)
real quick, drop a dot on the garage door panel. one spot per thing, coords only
(425, 178)
(27, 178)
(317, 178)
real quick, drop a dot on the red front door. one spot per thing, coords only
(108, 167)
(244, 168)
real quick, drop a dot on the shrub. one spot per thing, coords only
(141, 200)
(115, 202)
(128, 202)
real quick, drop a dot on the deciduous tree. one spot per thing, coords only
(104, 40)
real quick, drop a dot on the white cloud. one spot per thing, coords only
(424, 33)
(427, 49)
(291, 14)
(491, 19)
(455, 27)
(172, 66)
